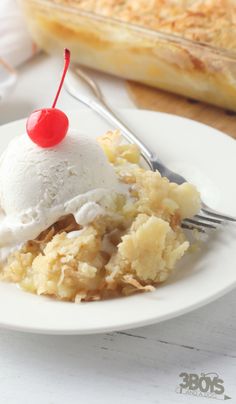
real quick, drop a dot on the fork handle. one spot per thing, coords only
(106, 112)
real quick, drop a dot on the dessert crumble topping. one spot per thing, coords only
(132, 249)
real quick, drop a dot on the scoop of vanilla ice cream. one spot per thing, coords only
(31, 175)
(39, 185)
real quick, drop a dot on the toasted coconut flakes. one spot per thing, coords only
(136, 284)
(208, 21)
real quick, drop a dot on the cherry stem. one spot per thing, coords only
(66, 65)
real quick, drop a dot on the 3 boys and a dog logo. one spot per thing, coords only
(208, 385)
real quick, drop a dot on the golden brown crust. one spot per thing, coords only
(208, 21)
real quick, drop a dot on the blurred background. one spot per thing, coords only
(172, 56)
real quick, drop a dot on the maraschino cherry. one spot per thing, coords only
(48, 126)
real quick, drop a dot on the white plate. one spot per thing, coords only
(207, 157)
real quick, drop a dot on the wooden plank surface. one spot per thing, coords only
(149, 98)
(140, 366)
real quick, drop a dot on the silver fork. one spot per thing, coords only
(207, 218)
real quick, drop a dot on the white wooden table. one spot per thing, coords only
(136, 366)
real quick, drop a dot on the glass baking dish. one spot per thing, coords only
(165, 61)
